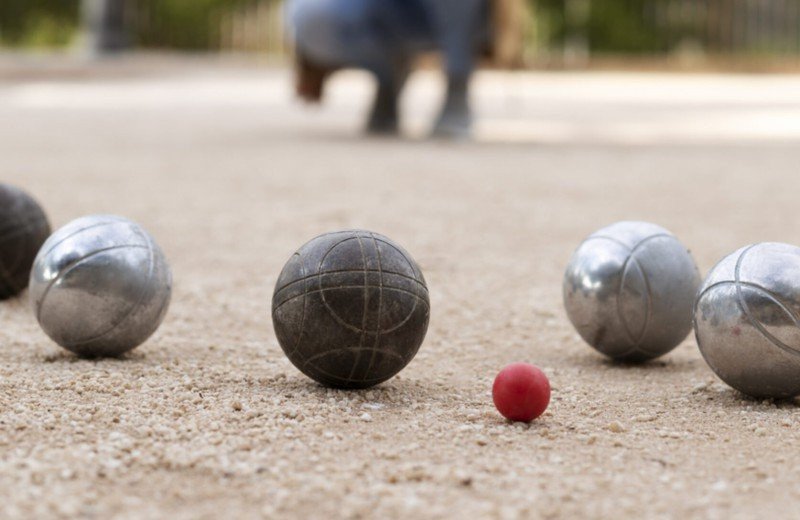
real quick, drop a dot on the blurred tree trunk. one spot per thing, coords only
(107, 23)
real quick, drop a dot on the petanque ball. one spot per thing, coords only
(629, 289)
(747, 320)
(100, 286)
(23, 230)
(350, 309)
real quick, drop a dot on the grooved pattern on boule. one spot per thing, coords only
(746, 309)
(635, 339)
(747, 323)
(65, 270)
(629, 289)
(350, 309)
(106, 221)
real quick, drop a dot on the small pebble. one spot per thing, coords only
(616, 427)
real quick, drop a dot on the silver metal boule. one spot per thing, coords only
(747, 320)
(629, 289)
(100, 286)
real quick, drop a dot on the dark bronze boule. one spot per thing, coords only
(350, 309)
(23, 230)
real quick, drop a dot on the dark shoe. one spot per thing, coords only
(382, 126)
(455, 120)
(383, 118)
(453, 124)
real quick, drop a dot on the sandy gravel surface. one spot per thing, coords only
(208, 419)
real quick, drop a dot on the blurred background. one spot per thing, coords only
(727, 34)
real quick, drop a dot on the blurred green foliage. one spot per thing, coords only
(38, 23)
(622, 27)
(611, 26)
(548, 20)
(598, 26)
(179, 24)
(182, 24)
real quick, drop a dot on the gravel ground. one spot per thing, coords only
(209, 418)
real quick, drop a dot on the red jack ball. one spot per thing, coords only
(521, 392)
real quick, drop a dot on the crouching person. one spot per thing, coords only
(383, 37)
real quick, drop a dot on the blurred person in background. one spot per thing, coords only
(108, 25)
(384, 37)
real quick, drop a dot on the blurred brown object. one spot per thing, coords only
(309, 78)
(507, 37)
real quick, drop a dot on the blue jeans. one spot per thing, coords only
(376, 34)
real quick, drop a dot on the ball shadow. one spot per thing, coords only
(395, 393)
(66, 357)
(732, 399)
(658, 365)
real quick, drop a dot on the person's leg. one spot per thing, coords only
(459, 26)
(384, 117)
(399, 25)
